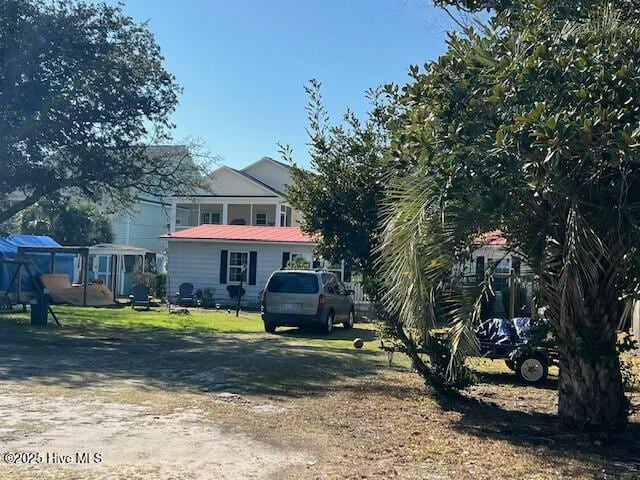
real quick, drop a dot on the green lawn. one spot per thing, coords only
(156, 318)
(206, 350)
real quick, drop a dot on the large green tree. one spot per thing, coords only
(531, 126)
(339, 196)
(83, 91)
(68, 221)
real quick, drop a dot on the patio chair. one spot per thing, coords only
(185, 296)
(139, 296)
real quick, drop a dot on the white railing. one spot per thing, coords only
(358, 291)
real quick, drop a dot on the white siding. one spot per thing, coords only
(275, 176)
(199, 263)
(226, 182)
(146, 223)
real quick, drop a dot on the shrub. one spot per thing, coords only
(206, 297)
(161, 285)
(235, 291)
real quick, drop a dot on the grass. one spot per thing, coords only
(156, 318)
(360, 417)
(204, 351)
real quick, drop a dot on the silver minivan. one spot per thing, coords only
(297, 298)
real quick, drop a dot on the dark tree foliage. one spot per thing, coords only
(339, 196)
(83, 91)
(67, 221)
(532, 126)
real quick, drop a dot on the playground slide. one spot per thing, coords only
(62, 291)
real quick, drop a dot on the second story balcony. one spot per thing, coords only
(275, 214)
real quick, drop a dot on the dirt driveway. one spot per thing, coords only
(99, 399)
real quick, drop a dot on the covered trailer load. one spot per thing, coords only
(40, 263)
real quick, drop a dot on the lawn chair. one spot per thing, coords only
(139, 296)
(185, 297)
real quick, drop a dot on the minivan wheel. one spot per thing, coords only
(269, 327)
(349, 323)
(328, 326)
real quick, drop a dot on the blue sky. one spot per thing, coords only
(243, 63)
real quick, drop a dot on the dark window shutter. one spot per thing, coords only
(253, 264)
(285, 259)
(224, 255)
(479, 269)
(347, 273)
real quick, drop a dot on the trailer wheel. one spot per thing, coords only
(532, 368)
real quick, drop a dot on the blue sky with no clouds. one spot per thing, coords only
(243, 63)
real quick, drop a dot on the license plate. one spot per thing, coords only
(292, 307)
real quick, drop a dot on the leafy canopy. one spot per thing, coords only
(339, 196)
(531, 126)
(83, 90)
(69, 222)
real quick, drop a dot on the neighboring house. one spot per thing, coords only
(253, 196)
(138, 229)
(492, 254)
(216, 256)
(242, 218)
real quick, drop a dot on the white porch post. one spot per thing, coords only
(251, 214)
(278, 214)
(636, 320)
(225, 213)
(199, 219)
(172, 217)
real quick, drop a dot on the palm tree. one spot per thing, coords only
(532, 127)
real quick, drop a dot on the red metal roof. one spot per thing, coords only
(243, 233)
(492, 238)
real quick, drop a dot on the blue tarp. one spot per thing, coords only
(41, 262)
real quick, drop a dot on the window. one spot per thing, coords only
(300, 261)
(210, 218)
(293, 283)
(330, 283)
(238, 266)
(261, 218)
(283, 216)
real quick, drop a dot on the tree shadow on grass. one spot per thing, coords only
(90, 354)
(611, 456)
(338, 333)
(510, 379)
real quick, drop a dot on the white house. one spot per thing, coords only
(254, 195)
(216, 256)
(241, 219)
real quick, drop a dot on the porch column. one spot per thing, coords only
(278, 214)
(172, 216)
(225, 213)
(636, 320)
(251, 214)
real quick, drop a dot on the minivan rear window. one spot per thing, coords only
(293, 283)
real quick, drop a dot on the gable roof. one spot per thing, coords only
(246, 176)
(243, 233)
(270, 160)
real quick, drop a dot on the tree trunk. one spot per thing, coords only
(591, 392)
(591, 395)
